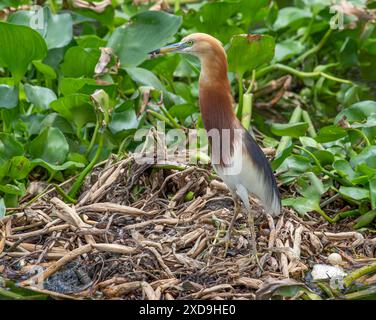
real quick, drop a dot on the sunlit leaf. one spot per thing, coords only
(19, 46)
(133, 42)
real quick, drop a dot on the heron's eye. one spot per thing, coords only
(190, 43)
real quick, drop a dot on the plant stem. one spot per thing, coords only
(300, 74)
(171, 118)
(247, 110)
(161, 117)
(241, 91)
(349, 279)
(77, 185)
(284, 142)
(311, 128)
(93, 138)
(315, 49)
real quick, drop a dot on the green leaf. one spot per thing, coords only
(302, 205)
(310, 186)
(20, 167)
(40, 97)
(2, 208)
(19, 46)
(330, 133)
(8, 96)
(247, 53)
(344, 169)
(45, 69)
(76, 108)
(289, 129)
(289, 15)
(367, 157)
(123, 118)
(354, 193)
(145, 77)
(9, 147)
(51, 168)
(57, 29)
(365, 219)
(80, 62)
(357, 112)
(51, 146)
(145, 32)
(287, 49)
(372, 191)
(90, 41)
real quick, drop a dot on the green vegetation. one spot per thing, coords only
(320, 106)
(76, 84)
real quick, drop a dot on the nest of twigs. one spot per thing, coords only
(136, 234)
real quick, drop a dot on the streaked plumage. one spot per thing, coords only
(216, 105)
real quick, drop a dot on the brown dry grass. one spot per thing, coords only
(133, 235)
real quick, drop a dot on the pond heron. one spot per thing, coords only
(235, 155)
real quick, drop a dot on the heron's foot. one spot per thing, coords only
(227, 241)
(253, 255)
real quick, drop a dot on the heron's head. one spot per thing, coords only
(201, 45)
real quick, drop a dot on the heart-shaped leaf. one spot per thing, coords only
(146, 31)
(247, 52)
(289, 129)
(76, 108)
(8, 96)
(50, 146)
(80, 62)
(40, 97)
(19, 46)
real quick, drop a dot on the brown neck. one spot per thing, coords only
(215, 94)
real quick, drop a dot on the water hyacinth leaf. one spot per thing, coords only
(302, 205)
(40, 97)
(17, 189)
(56, 29)
(133, 42)
(8, 96)
(366, 157)
(281, 157)
(123, 118)
(182, 111)
(365, 219)
(287, 16)
(310, 186)
(145, 77)
(359, 111)
(68, 85)
(289, 129)
(354, 193)
(344, 169)
(330, 133)
(247, 52)
(19, 168)
(45, 69)
(76, 108)
(90, 41)
(57, 121)
(20, 46)
(50, 146)
(80, 62)
(372, 191)
(51, 168)
(287, 49)
(2, 208)
(9, 147)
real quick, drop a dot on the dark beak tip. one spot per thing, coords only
(154, 53)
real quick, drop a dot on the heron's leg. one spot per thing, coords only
(252, 240)
(229, 230)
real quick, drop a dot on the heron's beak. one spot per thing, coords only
(176, 47)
